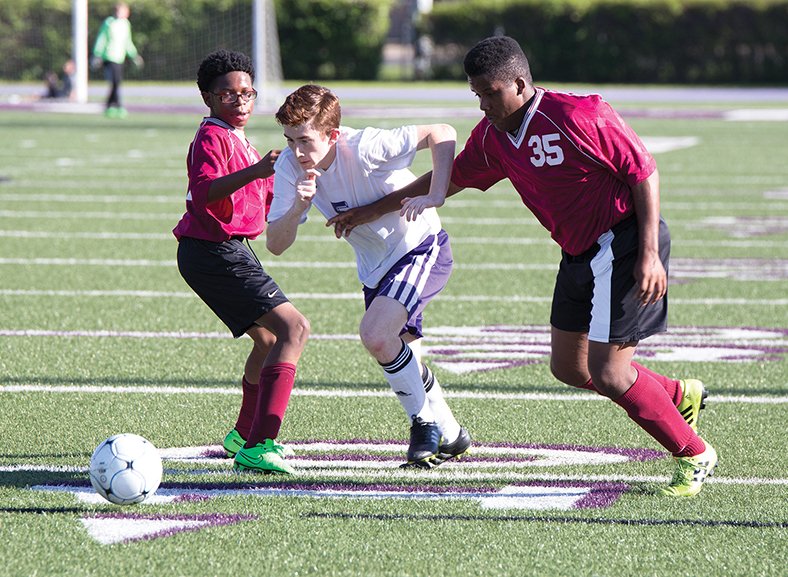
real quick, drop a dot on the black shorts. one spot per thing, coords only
(595, 292)
(230, 280)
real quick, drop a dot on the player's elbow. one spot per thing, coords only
(445, 133)
(274, 245)
(274, 248)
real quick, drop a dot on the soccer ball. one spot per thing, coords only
(125, 469)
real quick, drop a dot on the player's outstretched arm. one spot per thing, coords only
(441, 139)
(281, 233)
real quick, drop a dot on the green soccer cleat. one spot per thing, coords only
(457, 448)
(692, 401)
(262, 458)
(116, 112)
(233, 442)
(691, 472)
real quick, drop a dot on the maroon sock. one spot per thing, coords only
(589, 386)
(248, 408)
(695, 447)
(647, 403)
(276, 383)
(671, 386)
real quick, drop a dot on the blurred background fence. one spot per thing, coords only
(621, 41)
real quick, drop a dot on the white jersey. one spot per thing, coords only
(369, 164)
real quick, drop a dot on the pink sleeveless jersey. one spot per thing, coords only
(218, 150)
(572, 161)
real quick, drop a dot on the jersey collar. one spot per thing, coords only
(517, 139)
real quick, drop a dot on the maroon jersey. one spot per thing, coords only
(572, 161)
(218, 150)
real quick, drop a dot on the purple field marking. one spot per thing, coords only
(535, 342)
(634, 454)
(600, 496)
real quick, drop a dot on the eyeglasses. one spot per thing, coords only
(232, 97)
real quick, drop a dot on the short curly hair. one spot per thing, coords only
(220, 63)
(499, 58)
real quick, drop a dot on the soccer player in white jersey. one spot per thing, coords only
(590, 181)
(402, 263)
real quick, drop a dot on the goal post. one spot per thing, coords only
(265, 52)
(79, 48)
(264, 49)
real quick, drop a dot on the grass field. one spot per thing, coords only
(100, 335)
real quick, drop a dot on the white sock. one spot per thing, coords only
(450, 428)
(404, 377)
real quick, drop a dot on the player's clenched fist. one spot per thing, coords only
(307, 187)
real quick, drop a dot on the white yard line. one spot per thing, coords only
(358, 297)
(525, 220)
(679, 269)
(444, 474)
(351, 393)
(327, 237)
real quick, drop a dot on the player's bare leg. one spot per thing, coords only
(569, 364)
(264, 341)
(569, 357)
(645, 400)
(261, 452)
(379, 332)
(290, 328)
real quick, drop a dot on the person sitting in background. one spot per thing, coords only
(61, 86)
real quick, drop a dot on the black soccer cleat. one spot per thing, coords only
(424, 441)
(455, 449)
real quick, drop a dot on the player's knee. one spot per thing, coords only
(379, 345)
(304, 328)
(372, 342)
(265, 341)
(299, 331)
(567, 375)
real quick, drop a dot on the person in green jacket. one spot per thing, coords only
(113, 45)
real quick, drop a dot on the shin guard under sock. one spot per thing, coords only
(276, 384)
(647, 403)
(248, 408)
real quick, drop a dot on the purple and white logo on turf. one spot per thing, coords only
(469, 349)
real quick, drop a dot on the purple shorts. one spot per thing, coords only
(415, 279)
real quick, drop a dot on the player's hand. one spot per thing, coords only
(346, 221)
(651, 279)
(414, 206)
(266, 164)
(306, 188)
(96, 62)
(138, 61)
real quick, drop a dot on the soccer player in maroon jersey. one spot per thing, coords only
(230, 190)
(591, 182)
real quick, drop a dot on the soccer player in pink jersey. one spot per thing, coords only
(230, 188)
(591, 182)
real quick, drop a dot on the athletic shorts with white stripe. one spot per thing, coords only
(595, 292)
(416, 279)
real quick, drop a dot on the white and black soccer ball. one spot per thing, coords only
(125, 469)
